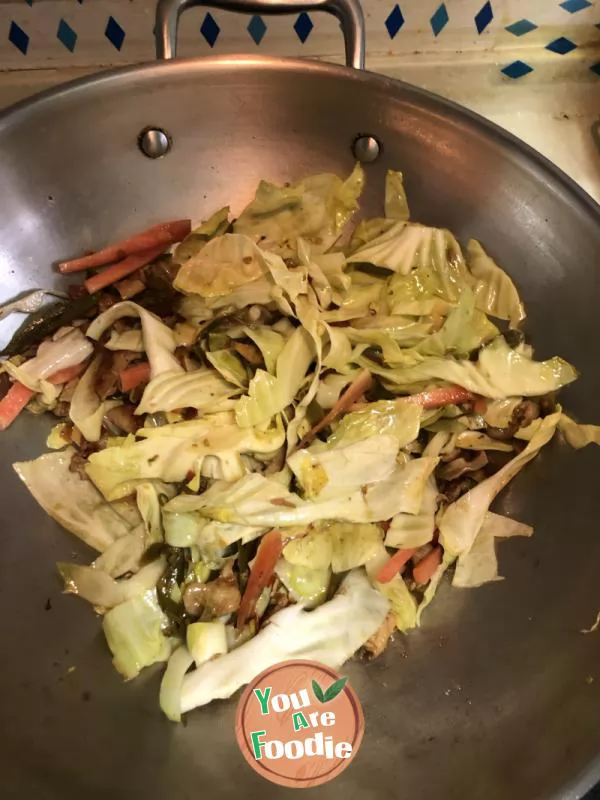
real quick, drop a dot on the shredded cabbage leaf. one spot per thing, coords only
(461, 521)
(159, 342)
(343, 469)
(71, 500)
(578, 435)
(495, 293)
(315, 209)
(201, 389)
(329, 634)
(169, 457)
(134, 634)
(396, 204)
(499, 372)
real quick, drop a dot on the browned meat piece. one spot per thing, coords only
(461, 465)
(454, 489)
(123, 418)
(61, 410)
(249, 352)
(377, 643)
(219, 597)
(547, 403)
(525, 413)
(68, 391)
(76, 290)
(105, 301)
(278, 600)
(78, 465)
(160, 274)
(502, 434)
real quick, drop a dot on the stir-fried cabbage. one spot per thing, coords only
(159, 342)
(291, 439)
(170, 453)
(134, 633)
(330, 634)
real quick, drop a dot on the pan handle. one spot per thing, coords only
(348, 12)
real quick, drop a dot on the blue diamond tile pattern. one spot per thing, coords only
(257, 29)
(303, 26)
(18, 37)
(596, 68)
(394, 21)
(66, 35)
(483, 17)
(516, 69)
(562, 46)
(521, 27)
(210, 29)
(573, 6)
(439, 20)
(114, 33)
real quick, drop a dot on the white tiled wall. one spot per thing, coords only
(87, 45)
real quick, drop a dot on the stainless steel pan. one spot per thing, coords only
(497, 697)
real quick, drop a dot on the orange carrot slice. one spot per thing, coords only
(67, 374)
(13, 402)
(122, 269)
(395, 564)
(134, 376)
(425, 569)
(267, 555)
(162, 235)
(356, 389)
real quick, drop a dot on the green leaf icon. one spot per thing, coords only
(335, 689)
(318, 692)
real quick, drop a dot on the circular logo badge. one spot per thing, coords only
(299, 723)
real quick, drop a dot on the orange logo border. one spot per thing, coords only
(269, 772)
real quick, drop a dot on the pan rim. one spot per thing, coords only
(198, 66)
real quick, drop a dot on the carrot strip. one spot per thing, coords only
(67, 374)
(121, 269)
(162, 235)
(134, 376)
(395, 564)
(443, 396)
(13, 402)
(425, 569)
(267, 555)
(356, 389)
(17, 397)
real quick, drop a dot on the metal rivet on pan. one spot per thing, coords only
(154, 142)
(366, 149)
